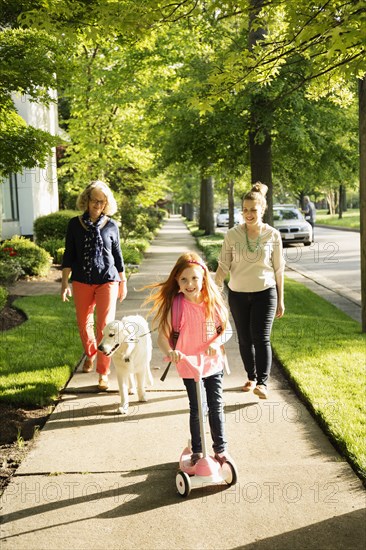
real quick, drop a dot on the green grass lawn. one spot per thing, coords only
(350, 219)
(323, 352)
(38, 357)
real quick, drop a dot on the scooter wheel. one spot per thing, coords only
(183, 483)
(230, 473)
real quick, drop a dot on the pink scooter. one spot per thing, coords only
(207, 470)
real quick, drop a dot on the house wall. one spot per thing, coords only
(37, 187)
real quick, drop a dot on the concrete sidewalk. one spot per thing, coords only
(96, 480)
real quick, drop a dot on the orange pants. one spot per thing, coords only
(102, 298)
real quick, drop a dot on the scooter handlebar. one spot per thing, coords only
(195, 364)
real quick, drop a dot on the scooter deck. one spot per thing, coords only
(207, 469)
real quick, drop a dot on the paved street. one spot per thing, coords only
(332, 260)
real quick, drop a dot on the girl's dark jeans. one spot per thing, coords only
(213, 388)
(253, 314)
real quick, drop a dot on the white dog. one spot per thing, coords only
(129, 341)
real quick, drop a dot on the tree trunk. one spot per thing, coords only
(187, 211)
(1, 209)
(260, 150)
(340, 204)
(230, 202)
(190, 211)
(362, 138)
(330, 201)
(206, 219)
(336, 205)
(261, 167)
(344, 199)
(210, 221)
(203, 207)
(301, 196)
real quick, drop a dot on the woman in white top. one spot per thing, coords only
(252, 254)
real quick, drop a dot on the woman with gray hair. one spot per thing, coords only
(93, 258)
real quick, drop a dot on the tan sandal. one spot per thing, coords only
(88, 364)
(249, 385)
(103, 383)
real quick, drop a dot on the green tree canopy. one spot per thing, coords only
(27, 67)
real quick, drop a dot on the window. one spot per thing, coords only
(10, 199)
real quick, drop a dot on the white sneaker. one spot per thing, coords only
(261, 391)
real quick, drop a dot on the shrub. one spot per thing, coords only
(140, 226)
(139, 222)
(210, 246)
(59, 255)
(211, 253)
(10, 271)
(3, 297)
(141, 244)
(53, 246)
(131, 254)
(53, 226)
(33, 259)
(154, 218)
(10, 268)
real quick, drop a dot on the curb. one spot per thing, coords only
(337, 227)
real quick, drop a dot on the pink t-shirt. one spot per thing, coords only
(195, 336)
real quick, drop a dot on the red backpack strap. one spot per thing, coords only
(177, 311)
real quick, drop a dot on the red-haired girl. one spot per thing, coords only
(204, 328)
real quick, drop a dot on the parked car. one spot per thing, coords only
(291, 224)
(222, 218)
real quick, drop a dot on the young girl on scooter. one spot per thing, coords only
(204, 328)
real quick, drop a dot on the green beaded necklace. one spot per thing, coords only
(257, 242)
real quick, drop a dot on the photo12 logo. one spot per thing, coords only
(327, 253)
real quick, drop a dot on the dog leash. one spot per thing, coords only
(163, 376)
(150, 332)
(142, 335)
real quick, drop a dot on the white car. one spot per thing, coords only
(292, 225)
(222, 218)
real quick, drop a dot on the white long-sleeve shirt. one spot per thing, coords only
(251, 271)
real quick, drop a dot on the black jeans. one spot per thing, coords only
(213, 386)
(253, 314)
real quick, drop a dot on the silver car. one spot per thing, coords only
(291, 224)
(222, 218)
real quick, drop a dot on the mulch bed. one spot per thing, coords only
(18, 426)
(11, 317)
